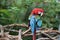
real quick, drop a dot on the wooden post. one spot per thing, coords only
(7, 39)
(6, 34)
(34, 35)
(19, 36)
(2, 31)
(59, 35)
(58, 17)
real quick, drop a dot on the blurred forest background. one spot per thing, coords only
(17, 11)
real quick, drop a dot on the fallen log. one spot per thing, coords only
(26, 31)
(3, 38)
(19, 25)
(11, 30)
(48, 35)
(43, 39)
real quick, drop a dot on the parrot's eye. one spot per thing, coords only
(39, 12)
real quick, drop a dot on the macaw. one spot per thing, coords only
(33, 24)
(35, 21)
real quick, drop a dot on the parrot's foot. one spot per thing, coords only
(37, 30)
(37, 39)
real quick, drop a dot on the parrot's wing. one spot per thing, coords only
(39, 23)
(32, 24)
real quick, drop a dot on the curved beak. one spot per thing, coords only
(41, 14)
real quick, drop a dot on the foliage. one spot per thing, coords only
(5, 17)
(17, 11)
